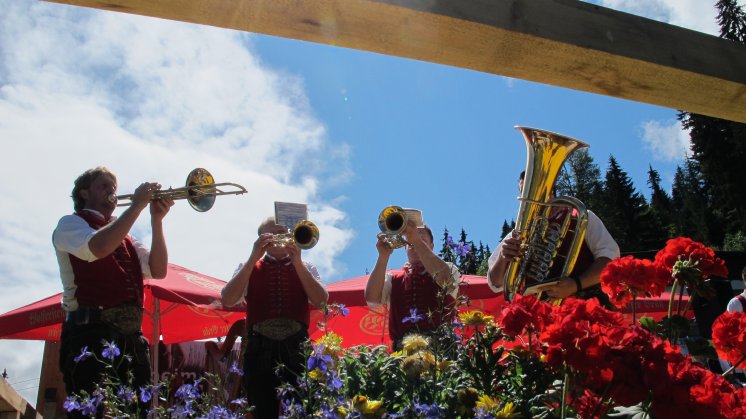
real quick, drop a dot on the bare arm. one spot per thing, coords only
(590, 277)
(315, 290)
(377, 278)
(235, 289)
(434, 265)
(508, 250)
(158, 251)
(109, 237)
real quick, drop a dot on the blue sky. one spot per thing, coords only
(347, 132)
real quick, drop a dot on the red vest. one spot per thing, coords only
(585, 256)
(111, 280)
(416, 291)
(275, 292)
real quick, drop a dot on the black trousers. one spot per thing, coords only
(261, 358)
(86, 374)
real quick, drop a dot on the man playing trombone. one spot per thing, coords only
(102, 270)
(277, 286)
(421, 294)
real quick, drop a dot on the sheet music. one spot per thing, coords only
(288, 213)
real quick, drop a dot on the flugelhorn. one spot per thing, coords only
(305, 235)
(542, 235)
(393, 221)
(200, 191)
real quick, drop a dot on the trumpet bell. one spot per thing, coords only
(305, 234)
(200, 195)
(392, 220)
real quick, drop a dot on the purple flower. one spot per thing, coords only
(318, 359)
(110, 350)
(146, 394)
(88, 407)
(187, 391)
(449, 242)
(344, 310)
(413, 317)
(71, 403)
(126, 394)
(430, 411)
(84, 353)
(240, 402)
(462, 249)
(234, 369)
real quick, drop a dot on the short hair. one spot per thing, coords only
(84, 181)
(429, 232)
(267, 221)
(522, 176)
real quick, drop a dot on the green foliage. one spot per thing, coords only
(735, 242)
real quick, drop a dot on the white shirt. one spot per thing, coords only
(597, 238)
(386, 292)
(735, 305)
(71, 237)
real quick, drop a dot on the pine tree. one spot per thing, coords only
(446, 253)
(467, 263)
(659, 208)
(507, 228)
(580, 177)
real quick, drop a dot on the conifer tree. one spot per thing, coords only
(580, 177)
(446, 252)
(659, 208)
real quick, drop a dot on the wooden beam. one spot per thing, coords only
(563, 43)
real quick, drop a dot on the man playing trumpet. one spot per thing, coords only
(277, 286)
(420, 296)
(102, 270)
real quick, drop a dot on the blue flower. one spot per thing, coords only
(318, 359)
(462, 249)
(126, 394)
(88, 407)
(110, 350)
(431, 411)
(241, 402)
(84, 353)
(481, 413)
(234, 369)
(413, 317)
(187, 391)
(146, 394)
(71, 403)
(344, 310)
(449, 242)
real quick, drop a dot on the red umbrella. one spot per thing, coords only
(182, 307)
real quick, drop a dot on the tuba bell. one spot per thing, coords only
(541, 234)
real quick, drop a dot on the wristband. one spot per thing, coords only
(577, 283)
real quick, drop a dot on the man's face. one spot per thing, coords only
(98, 195)
(412, 256)
(275, 252)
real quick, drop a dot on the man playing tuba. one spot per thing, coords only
(598, 249)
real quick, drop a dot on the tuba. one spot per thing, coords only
(541, 234)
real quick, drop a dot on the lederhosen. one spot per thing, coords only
(110, 295)
(277, 317)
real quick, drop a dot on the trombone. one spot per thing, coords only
(200, 191)
(305, 235)
(393, 221)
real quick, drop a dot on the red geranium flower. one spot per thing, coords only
(691, 255)
(525, 311)
(626, 277)
(729, 336)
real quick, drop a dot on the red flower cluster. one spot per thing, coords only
(729, 336)
(697, 254)
(626, 277)
(524, 312)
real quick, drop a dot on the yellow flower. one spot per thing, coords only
(444, 364)
(416, 365)
(398, 353)
(476, 318)
(487, 403)
(508, 412)
(413, 343)
(370, 409)
(315, 374)
(342, 411)
(332, 344)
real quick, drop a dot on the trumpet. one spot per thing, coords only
(305, 235)
(200, 191)
(393, 221)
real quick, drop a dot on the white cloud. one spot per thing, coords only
(692, 14)
(151, 99)
(668, 140)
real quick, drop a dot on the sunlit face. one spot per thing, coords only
(99, 195)
(412, 255)
(275, 252)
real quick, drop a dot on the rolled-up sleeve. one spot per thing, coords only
(72, 235)
(143, 255)
(599, 240)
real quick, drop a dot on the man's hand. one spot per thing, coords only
(159, 208)
(510, 248)
(562, 289)
(144, 194)
(412, 234)
(383, 248)
(295, 254)
(260, 246)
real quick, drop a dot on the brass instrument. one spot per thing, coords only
(542, 237)
(305, 235)
(200, 191)
(393, 221)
